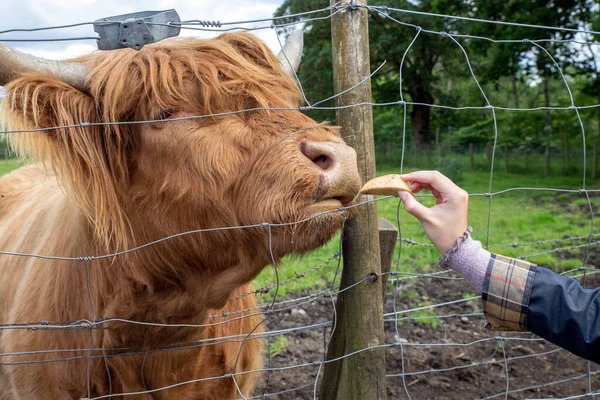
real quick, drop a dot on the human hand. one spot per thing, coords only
(445, 222)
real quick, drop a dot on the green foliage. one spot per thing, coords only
(316, 71)
(278, 346)
(425, 316)
(466, 296)
(5, 152)
(517, 58)
(387, 125)
(454, 169)
(478, 133)
(409, 294)
(512, 74)
(7, 166)
(387, 129)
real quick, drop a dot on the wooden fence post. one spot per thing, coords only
(388, 236)
(359, 323)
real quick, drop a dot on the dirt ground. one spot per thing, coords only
(436, 372)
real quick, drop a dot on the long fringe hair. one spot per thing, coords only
(81, 140)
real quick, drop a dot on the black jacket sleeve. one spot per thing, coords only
(564, 313)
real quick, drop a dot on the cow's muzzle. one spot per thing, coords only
(336, 162)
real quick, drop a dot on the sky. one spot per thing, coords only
(43, 13)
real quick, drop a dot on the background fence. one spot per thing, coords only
(435, 343)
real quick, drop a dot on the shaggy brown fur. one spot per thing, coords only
(101, 189)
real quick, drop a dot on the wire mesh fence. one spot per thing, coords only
(436, 342)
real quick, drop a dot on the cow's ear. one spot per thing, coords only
(89, 159)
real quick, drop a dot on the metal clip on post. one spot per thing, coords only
(136, 29)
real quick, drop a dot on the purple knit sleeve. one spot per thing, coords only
(469, 259)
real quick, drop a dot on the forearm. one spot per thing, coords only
(516, 294)
(469, 259)
(564, 313)
(519, 296)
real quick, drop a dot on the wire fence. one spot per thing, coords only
(435, 349)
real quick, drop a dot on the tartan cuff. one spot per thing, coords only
(506, 293)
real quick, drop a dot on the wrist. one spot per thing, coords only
(469, 259)
(446, 245)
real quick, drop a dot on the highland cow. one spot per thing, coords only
(98, 188)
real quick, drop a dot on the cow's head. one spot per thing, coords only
(142, 181)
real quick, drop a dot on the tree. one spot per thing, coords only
(427, 59)
(434, 68)
(389, 41)
(316, 71)
(589, 68)
(525, 61)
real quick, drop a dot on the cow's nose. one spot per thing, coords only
(337, 164)
(323, 154)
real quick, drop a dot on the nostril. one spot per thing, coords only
(323, 162)
(321, 154)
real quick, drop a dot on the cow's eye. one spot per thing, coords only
(160, 119)
(165, 114)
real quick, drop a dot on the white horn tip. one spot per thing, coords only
(291, 53)
(297, 38)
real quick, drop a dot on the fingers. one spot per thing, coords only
(445, 221)
(441, 186)
(417, 187)
(431, 180)
(413, 206)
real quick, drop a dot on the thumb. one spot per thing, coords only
(411, 205)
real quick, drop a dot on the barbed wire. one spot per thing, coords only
(336, 8)
(416, 309)
(271, 308)
(381, 346)
(239, 337)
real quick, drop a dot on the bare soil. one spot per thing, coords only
(436, 369)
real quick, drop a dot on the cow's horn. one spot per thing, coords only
(13, 63)
(292, 50)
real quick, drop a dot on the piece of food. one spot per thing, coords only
(387, 185)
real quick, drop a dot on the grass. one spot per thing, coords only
(515, 217)
(7, 166)
(278, 346)
(425, 316)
